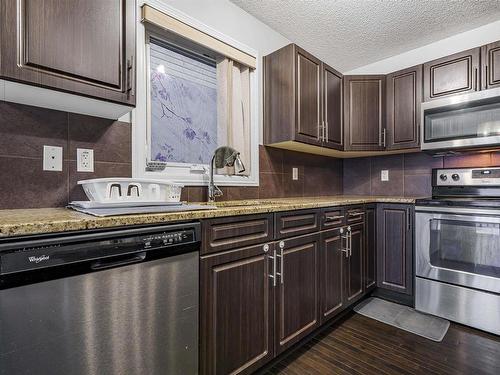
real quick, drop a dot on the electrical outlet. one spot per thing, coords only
(84, 160)
(295, 174)
(384, 175)
(52, 158)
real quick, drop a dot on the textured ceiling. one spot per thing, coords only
(349, 34)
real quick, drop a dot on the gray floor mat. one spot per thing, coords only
(405, 318)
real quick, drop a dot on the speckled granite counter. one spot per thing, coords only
(51, 220)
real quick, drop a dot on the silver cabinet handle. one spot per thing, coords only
(384, 136)
(356, 213)
(273, 275)
(281, 274)
(349, 239)
(345, 249)
(331, 218)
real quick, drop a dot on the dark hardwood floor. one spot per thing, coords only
(359, 345)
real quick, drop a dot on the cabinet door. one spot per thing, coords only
(236, 311)
(452, 75)
(308, 78)
(296, 298)
(354, 263)
(331, 283)
(404, 95)
(395, 248)
(333, 124)
(369, 257)
(364, 112)
(490, 57)
(83, 47)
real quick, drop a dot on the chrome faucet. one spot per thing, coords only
(224, 156)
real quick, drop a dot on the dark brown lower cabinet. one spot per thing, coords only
(370, 254)
(258, 301)
(236, 310)
(331, 282)
(395, 248)
(354, 263)
(296, 292)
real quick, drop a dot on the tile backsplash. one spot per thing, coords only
(23, 132)
(25, 129)
(23, 184)
(318, 176)
(409, 174)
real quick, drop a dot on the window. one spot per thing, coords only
(183, 105)
(196, 98)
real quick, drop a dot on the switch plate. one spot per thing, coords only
(84, 160)
(295, 174)
(52, 158)
(384, 175)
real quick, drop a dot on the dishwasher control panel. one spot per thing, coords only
(33, 255)
(168, 239)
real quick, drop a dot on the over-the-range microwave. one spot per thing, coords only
(462, 122)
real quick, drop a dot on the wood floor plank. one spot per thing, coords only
(360, 345)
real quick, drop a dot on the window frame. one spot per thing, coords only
(196, 174)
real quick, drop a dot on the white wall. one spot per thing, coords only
(460, 42)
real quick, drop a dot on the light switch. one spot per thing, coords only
(295, 174)
(52, 158)
(384, 175)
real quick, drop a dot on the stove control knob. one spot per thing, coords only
(455, 177)
(443, 177)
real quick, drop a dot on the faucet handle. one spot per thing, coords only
(217, 192)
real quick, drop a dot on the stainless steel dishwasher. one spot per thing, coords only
(104, 302)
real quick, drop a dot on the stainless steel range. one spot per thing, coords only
(458, 247)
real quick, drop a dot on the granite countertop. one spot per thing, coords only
(22, 222)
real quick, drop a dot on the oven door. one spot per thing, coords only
(459, 246)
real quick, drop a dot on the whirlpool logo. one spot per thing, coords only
(36, 260)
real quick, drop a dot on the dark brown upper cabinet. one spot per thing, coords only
(309, 118)
(452, 75)
(333, 111)
(81, 47)
(302, 99)
(404, 96)
(237, 323)
(490, 57)
(395, 248)
(364, 112)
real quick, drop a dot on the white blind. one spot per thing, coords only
(183, 104)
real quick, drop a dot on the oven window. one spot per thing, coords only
(474, 122)
(472, 247)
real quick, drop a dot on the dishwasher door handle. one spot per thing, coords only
(103, 264)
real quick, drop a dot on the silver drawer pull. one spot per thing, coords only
(331, 218)
(356, 213)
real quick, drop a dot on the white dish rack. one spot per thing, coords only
(133, 190)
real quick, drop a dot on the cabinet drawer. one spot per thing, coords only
(294, 223)
(227, 233)
(355, 215)
(332, 217)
